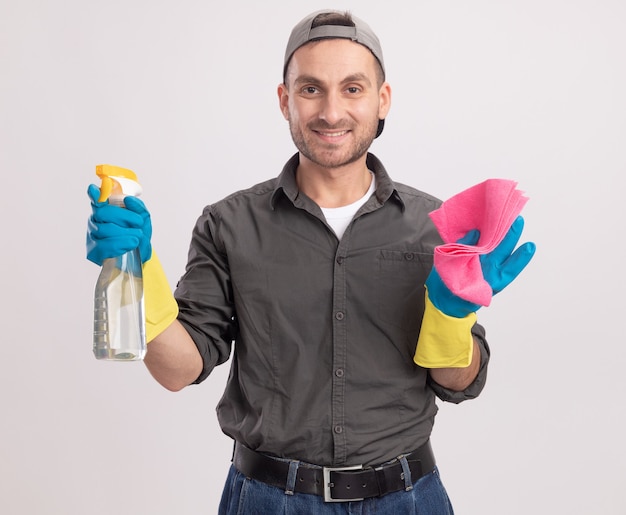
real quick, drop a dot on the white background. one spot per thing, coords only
(184, 93)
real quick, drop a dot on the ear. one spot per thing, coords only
(283, 100)
(384, 101)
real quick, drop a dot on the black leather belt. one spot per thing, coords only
(335, 483)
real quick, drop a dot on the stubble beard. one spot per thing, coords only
(329, 155)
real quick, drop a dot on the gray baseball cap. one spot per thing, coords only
(361, 33)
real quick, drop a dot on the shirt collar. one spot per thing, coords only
(287, 185)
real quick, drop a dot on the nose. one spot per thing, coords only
(331, 109)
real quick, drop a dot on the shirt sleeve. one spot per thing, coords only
(474, 389)
(204, 295)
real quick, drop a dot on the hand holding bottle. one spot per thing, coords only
(115, 236)
(113, 230)
(120, 225)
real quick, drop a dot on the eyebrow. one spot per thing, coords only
(310, 79)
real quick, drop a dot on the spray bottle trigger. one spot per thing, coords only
(105, 188)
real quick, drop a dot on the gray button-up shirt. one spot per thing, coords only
(324, 330)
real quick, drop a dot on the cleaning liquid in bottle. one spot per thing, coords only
(119, 325)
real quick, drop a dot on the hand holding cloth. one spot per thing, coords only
(481, 227)
(490, 207)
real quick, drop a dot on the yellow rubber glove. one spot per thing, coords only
(444, 341)
(160, 305)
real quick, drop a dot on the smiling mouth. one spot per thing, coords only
(332, 134)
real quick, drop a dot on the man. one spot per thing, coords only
(318, 277)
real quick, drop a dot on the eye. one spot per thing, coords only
(353, 90)
(309, 90)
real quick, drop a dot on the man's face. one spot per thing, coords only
(332, 101)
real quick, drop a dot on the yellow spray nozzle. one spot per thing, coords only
(110, 186)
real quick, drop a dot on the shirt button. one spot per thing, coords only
(339, 372)
(340, 260)
(340, 315)
(338, 430)
(409, 256)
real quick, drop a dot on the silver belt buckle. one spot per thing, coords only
(328, 485)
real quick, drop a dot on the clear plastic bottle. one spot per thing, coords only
(119, 324)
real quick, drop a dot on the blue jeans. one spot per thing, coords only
(243, 496)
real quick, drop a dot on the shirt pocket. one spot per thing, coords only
(400, 287)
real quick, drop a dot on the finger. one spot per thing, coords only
(97, 253)
(101, 231)
(471, 238)
(106, 213)
(504, 249)
(94, 193)
(135, 205)
(513, 266)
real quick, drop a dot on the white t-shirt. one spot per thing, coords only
(340, 217)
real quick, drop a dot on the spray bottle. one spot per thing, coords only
(119, 325)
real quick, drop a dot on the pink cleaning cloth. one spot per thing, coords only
(491, 207)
